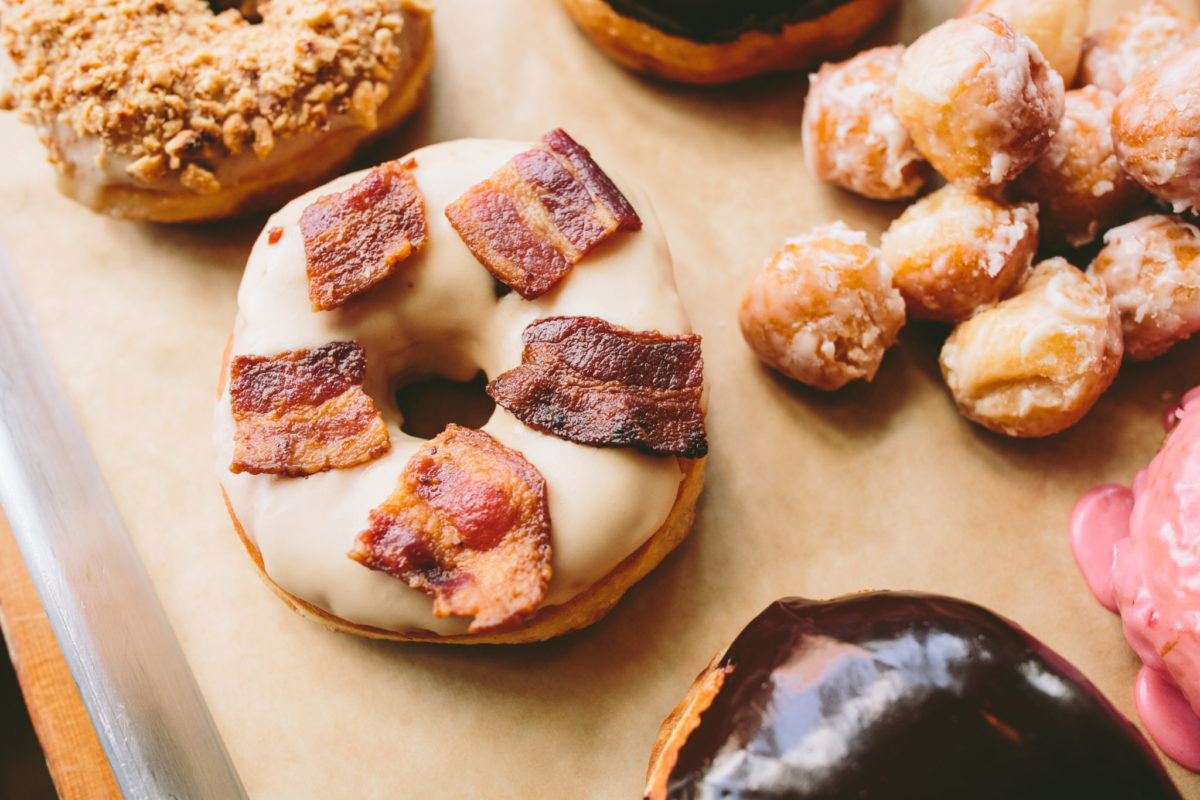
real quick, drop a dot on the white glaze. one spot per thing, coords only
(1157, 129)
(1035, 362)
(1057, 27)
(870, 151)
(95, 167)
(1134, 43)
(979, 99)
(439, 315)
(823, 309)
(1153, 276)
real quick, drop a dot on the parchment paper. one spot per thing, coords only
(879, 486)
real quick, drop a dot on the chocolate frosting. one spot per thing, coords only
(713, 21)
(887, 695)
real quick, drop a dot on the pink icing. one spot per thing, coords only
(1168, 718)
(1139, 551)
(1099, 521)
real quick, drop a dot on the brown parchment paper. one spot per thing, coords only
(879, 486)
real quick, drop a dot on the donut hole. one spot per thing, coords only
(247, 8)
(428, 404)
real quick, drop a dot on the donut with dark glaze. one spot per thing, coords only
(889, 695)
(722, 20)
(713, 41)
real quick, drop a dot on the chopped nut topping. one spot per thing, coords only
(147, 169)
(304, 411)
(541, 213)
(200, 180)
(131, 70)
(590, 382)
(469, 526)
(354, 239)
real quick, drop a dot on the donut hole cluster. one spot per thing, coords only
(1029, 166)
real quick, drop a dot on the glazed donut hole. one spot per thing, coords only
(1156, 129)
(1035, 363)
(851, 136)
(1057, 27)
(1133, 43)
(954, 251)
(979, 99)
(1079, 187)
(823, 309)
(1151, 268)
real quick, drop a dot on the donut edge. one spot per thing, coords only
(679, 724)
(275, 183)
(586, 608)
(581, 611)
(801, 45)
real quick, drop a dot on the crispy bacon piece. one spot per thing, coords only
(304, 411)
(590, 382)
(540, 213)
(354, 239)
(469, 526)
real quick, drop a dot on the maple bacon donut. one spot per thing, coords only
(724, 40)
(162, 110)
(522, 261)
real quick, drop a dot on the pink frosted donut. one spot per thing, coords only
(1139, 550)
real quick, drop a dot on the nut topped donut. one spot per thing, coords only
(583, 478)
(162, 110)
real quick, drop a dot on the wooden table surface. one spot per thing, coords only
(77, 763)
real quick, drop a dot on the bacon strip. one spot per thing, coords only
(304, 411)
(468, 525)
(590, 382)
(541, 213)
(354, 239)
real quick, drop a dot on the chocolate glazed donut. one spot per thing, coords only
(886, 695)
(712, 21)
(713, 41)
